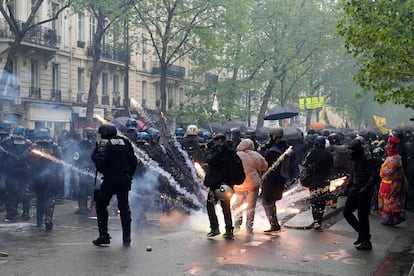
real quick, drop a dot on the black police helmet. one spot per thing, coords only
(319, 142)
(107, 131)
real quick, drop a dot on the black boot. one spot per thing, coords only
(274, 225)
(101, 240)
(229, 233)
(213, 232)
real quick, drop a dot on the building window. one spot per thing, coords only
(55, 8)
(116, 84)
(55, 76)
(81, 27)
(81, 80)
(144, 93)
(34, 71)
(92, 28)
(104, 84)
(181, 95)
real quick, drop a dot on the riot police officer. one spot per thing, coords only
(113, 157)
(83, 161)
(14, 150)
(47, 176)
(131, 129)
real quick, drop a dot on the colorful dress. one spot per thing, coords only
(390, 197)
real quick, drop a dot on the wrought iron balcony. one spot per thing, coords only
(80, 44)
(109, 52)
(172, 71)
(39, 34)
(105, 100)
(116, 101)
(56, 95)
(35, 93)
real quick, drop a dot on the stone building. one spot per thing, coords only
(51, 74)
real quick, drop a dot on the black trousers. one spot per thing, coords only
(318, 197)
(102, 199)
(361, 202)
(211, 211)
(45, 202)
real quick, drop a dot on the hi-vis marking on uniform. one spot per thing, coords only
(119, 142)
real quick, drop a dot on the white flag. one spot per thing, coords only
(215, 104)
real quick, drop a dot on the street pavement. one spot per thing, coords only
(179, 246)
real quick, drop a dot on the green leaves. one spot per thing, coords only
(380, 33)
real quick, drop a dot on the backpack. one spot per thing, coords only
(341, 159)
(289, 168)
(235, 173)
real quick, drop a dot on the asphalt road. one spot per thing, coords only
(180, 247)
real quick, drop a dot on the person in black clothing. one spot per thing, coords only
(83, 161)
(193, 144)
(320, 162)
(234, 136)
(273, 182)
(215, 176)
(364, 176)
(47, 176)
(114, 157)
(409, 171)
(13, 155)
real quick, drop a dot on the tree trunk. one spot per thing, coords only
(266, 97)
(164, 129)
(96, 70)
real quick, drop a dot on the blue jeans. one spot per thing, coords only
(249, 197)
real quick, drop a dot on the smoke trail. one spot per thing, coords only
(154, 166)
(62, 162)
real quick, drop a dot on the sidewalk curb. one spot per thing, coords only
(304, 219)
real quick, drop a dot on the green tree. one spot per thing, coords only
(170, 27)
(107, 14)
(21, 28)
(268, 52)
(380, 34)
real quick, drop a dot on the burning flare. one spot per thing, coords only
(63, 163)
(200, 171)
(336, 183)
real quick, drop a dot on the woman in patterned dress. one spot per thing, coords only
(390, 197)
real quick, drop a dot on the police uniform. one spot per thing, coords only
(13, 151)
(47, 177)
(113, 157)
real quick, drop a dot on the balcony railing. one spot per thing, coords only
(116, 101)
(105, 100)
(56, 95)
(109, 52)
(172, 71)
(35, 93)
(80, 44)
(79, 97)
(39, 34)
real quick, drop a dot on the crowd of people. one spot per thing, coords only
(377, 168)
